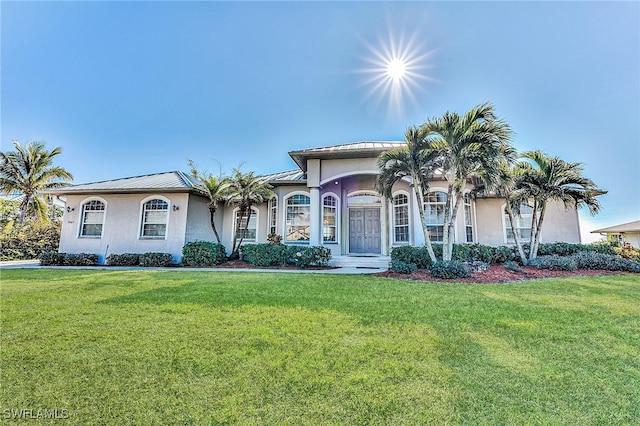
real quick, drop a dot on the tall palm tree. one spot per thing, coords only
(504, 187)
(544, 178)
(414, 161)
(215, 188)
(30, 170)
(474, 144)
(245, 190)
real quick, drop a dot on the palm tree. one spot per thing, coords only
(215, 189)
(245, 190)
(30, 170)
(414, 161)
(474, 144)
(504, 187)
(544, 178)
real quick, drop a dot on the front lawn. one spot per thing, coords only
(179, 347)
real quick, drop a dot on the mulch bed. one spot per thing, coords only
(241, 264)
(497, 274)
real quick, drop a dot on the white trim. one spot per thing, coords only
(503, 214)
(141, 214)
(270, 213)
(350, 173)
(256, 214)
(393, 217)
(472, 203)
(285, 198)
(81, 217)
(433, 191)
(338, 218)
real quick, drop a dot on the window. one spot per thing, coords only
(468, 218)
(401, 218)
(434, 206)
(154, 219)
(329, 219)
(92, 219)
(297, 218)
(247, 233)
(273, 215)
(522, 224)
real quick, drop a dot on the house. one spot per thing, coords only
(329, 200)
(624, 233)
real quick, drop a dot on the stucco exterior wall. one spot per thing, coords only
(121, 228)
(198, 220)
(335, 169)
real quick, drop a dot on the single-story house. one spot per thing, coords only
(624, 233)
(329, 200)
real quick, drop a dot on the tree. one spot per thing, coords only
(215, 188)
(412, 161)
(30, 171)
(544, 178)
(471, 145)
(504, 187)
(245, 190)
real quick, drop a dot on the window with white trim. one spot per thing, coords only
(468, 218)
(298, 223)
(92, 219)
(401, 218)
(434, 206)
(522, 224)
(273, 215)
(155, 214)
(247, 233)
(329, 219)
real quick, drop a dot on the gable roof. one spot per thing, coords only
(290, 176)
(625, 227)
(347, 150)
(174, 181)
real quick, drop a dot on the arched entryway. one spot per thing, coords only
(365, 230)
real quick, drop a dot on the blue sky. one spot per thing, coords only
(129, 88)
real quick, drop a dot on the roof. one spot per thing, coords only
(625, 227)
(174, 181)
(291, 176)
(348, 150)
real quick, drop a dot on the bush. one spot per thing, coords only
(502, 254)
(124, 259)
(80, 259)
(156, 259)
(203, 253)
(450, 270)
(265, 254)
(568, 249)
(554, 263)
(29, 240)
(52, 258)
(402, 267)
(304, 257)
(513, 266)
(478, 265)
(607, 262)
(419, 256)
(274, 238)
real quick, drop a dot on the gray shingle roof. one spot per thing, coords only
(174, 181)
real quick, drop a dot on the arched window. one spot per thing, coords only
(273, 215)
(247, 232)
(434, 205)
(155, 214)
(522, 223)
(401, 218)
(92, 219)
(298, 223)
(330, 219)
(468, 218)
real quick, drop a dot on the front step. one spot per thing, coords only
(361, 262)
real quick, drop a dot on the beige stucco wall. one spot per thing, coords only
(198, 220)
(121, 228)
(335, 169)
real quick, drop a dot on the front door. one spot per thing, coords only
(364, 230)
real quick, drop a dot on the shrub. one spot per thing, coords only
(607, 262)
(124, 259)
(265, 254)
(478, 265)
(80, 259)
(503, 254)
(29, 240)
(52, 258)
(203, 253)
(628, 251)
(402, 267)
(568, 249)
(450, 270)
(274, 238)
(304, 257)
(156, 259)
(554, 263)
(416, 255)
(513, 266)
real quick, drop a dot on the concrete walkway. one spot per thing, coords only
(35, 264)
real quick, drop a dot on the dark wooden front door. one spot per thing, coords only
(364, 230)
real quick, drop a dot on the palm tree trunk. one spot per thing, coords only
(516, 238)
(417, 189)
(447, 226)
(212, 212)
(536, 240)
(454, 216)
(534, 226)
(236, 245)
(24, 206)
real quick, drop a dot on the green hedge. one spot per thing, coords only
(153, 259)
(124, 259)
(28, 241)
(419, 256)
(280, 255)
(450, 270)
(554, 263)
(607, 262)
(203, 254)
(403, 268)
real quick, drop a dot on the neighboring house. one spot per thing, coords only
(329, 200)
(625, 233)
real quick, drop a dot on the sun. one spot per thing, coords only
(396, 71)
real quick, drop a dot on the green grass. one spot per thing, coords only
(165, 347)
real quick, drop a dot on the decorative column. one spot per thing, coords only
(314, 217)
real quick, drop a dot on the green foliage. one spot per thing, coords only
(203, 254)
(279, 255)
(502, 254)
(607, 262)
(461, 253)
(403, 268)
(567, 249)
(80, 259)
(304, 257)
(554, 263)
(513, 266)
(124, 259)
(29, 240)
(450, 269)
(156, 259)
(628, 251)
(274, 238)
(52, 258)
(415, 255)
